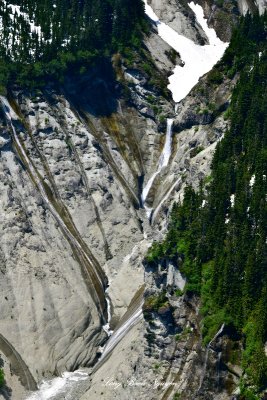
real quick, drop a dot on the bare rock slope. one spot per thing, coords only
(74, 162)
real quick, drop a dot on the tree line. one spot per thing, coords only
(218, 235)
(45, 37)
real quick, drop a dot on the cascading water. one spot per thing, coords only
(197, 60)
(155, 212)
(180, 85)
(60, 386)
(220, 331)
(167, 150)
(106, 327)
(163, 161)
(131, 318)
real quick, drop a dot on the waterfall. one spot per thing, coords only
(106, 327)
(163, 161)
(167, 149)
(155, 212)
(61, 385)
(218, 369)
(133, 315)
(207, 356)
(121, 332)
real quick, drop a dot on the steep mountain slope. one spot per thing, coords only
(217, 239)
(82, 140)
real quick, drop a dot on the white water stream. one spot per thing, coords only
(162, 201)
(163, 161)
(62, 385)
(106, 327)
(122, 330)
(220, 331)
(198, 60)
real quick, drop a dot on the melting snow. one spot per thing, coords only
(198, 59)
(15, 10)
(252, 181)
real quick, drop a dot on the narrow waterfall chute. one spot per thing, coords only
(133, 315)
(121, 331)
(106, 327)
(220, 331)
(163, 162)
(167, 149)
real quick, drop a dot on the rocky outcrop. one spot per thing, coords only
(72, 160)
(170, 359)
(71, 204)
(224, 15)
(174, 339)
(179, 16)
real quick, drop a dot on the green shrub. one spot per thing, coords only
(179, 292)
(155, 302)
(215, 77)
(196, 151)
(155, 253)
(172, 55)
(2, 378)
(212, 323)
(248, 393)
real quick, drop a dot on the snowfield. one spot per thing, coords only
(198, 60)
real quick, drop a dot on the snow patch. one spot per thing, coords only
(198, 60)
(252, 181)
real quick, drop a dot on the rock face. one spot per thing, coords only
(73, 163)
(170, 358)
(223, 16)
(179, 16)
(42, 285)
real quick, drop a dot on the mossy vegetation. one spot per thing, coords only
(155, 302)
(2, 378)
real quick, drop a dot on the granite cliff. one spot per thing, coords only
(87, 181)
